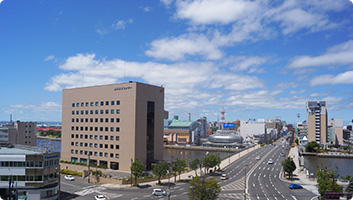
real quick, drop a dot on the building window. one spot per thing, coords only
(97, 103)
(102, 103)
(77, 112)
(95, 145)
(117, 102)
(76, 151)
(112, 103)
(112, 120)
(106, 146)
(86, 136)
(76, 128)
(101, 120)
(77, 120)
(72, 128)
(91, 119)
(111, 155)
(95, 153)
(86, 104)
(77, 104)
(117, 138)
(73, 104)
(107, 103)
(106, 111)
(106, 120)
(117, 129)
(116, 155)
(86, 144)
(100, 154)
(112, 146)
(73, 112)
(86, 112)
(102, 111)
(101, 137)
(112, 111)
(72, 136)
(111, 137)
(91, 103)
(81, 112)
(91, 112)
(106, 137)
(73, 120)
(76, 143)
(117, 120)
(82, 104)
(106, 128)
(76, 135)
(91, 136)
(90, 145)
(105, 154)
(72, 151)
(81, 144)
(96, 111)
(100, 145)
(95, 119)
(81, 136)
(86, 128)
(81, 119)
(72, 143)
(96, 137)
(81, 152)
(100, 128)
(116, 146)
(117, 111)
(112, 129)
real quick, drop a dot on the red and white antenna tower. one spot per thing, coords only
(222, 115)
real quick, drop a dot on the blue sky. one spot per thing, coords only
(257, 59)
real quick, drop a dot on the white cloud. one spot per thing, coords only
(213, 11)
(147, 9)
(120, 24)
(44, 107)
(1, 1)
(244, 63)
(343, 78)
(176, 48)
(338, 55)
(215, 24)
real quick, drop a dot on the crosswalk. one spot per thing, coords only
(231, 196)
(96, 189)
(235, 185)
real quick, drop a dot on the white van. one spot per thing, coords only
(224, 177)
(158, 192)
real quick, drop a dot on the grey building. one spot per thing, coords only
(23, 133)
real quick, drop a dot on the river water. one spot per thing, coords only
(312, 163)
(343, 166)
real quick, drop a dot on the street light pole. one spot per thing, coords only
(131, 172)
(89, 171)
(245, 183)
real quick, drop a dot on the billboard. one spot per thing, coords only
(228, 125)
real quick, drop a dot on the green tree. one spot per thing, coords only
(210, 161)
(160, 170)
(297, 141)
(289, 166)
(180, 165)
(137, 170)
(194, 165)
(204, 189)
(312, 146)
(325, 179)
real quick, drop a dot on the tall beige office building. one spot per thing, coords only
(114, 124)
(317, 121)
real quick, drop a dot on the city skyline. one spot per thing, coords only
(254, 58)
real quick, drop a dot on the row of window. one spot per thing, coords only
(117, 138)
(29, 163)
(112, 120)
(106, 111)
(95, 145)
(117, 129)
(97, 103)
(30, 178)
(94, 153)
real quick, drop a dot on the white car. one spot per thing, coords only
(69, 178)
(159, 192)
(100, 197)
(270, 161)
(258, 158)
(224, 177)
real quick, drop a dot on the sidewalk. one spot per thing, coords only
(300, 177)
(187, 175)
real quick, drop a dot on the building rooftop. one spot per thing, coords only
(20, 150)
(177, 123)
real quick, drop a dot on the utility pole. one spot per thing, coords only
(89, 172)
(131, 172)
(245, 183)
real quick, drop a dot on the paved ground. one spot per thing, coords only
(300, 176)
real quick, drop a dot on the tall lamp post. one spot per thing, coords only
(131, 172)
(245, 183)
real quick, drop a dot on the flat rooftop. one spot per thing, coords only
(20, 151)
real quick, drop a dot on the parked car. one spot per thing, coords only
(295, 186)
(224, 177)
(270, 161)
(159, 192)
(100, 197)
(69, 178)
